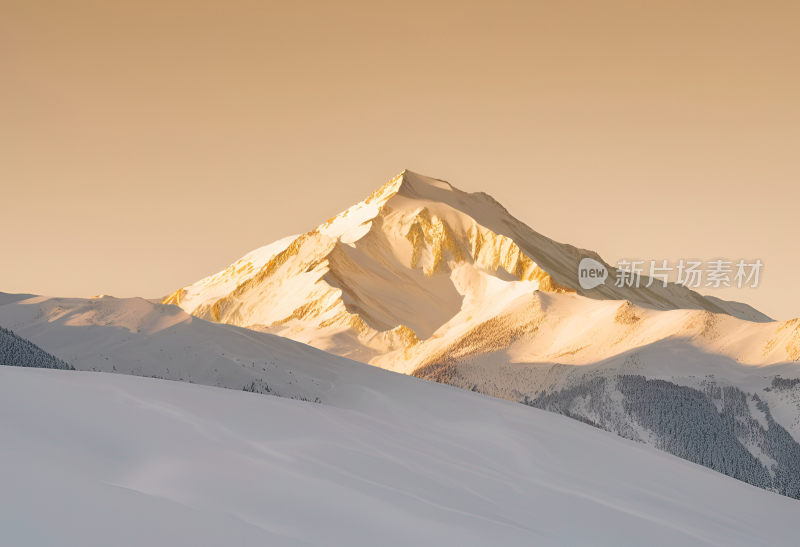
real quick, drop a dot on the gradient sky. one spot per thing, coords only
(144, 145)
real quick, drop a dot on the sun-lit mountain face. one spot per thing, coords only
(395, 269)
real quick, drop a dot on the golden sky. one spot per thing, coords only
(146, 144)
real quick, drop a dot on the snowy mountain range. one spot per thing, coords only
(425, 279)
(429, 283)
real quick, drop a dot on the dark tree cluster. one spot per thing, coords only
(16, 351)
(720, 427)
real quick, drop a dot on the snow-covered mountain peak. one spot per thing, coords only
(417, 184)
(408, 192)
(395, 268)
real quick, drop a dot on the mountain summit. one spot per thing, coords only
(393, 269)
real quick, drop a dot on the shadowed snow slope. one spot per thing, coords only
(138, 337)
(92, 459)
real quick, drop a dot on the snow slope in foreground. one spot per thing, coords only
(100, 459)
(134, 336)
